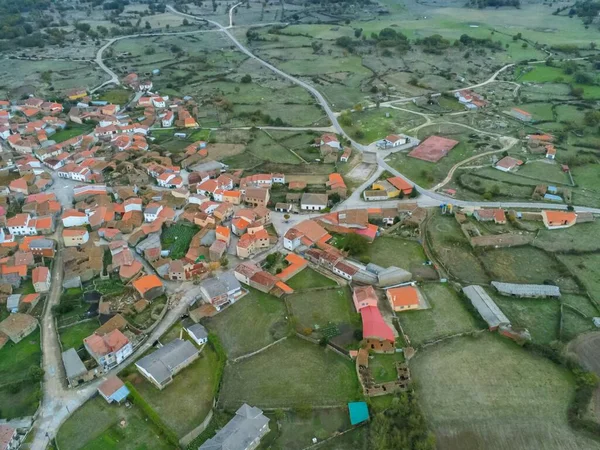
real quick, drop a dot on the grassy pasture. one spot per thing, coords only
(390, 251)
(309, 278)
(375, 124)
(96, 426)
(71, 131)
(185, 402)
(486, 392)
(587, 269)
(19, 402)
(582, 237)
(116, 96)
(16, 359)
(73, 336)
(317, 309)
(291, 373)
(447, 316)
(253, 322)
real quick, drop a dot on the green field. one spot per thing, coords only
(317, 309)
(447, 316)
(70, 131)
(486, 392)
(251, 323)
(383, 367)
(73, 336)
(376, 124)
(19, 400)
(184, 403)
(16, 359)
(291, 373)
(309, 278)
(525, 264)
(454, 251)
(587, 270)
(582, 237)
(177, 238)
(116, 96)
(97, 426)
(391, 251)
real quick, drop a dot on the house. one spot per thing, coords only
(377, 334)
(487, 215)
(554, 220)
(550, 151)
(19, 186)
(74, 218)
(395, 140)
(40, 276)
(176, 272)
(18, 326)
(217, 250)
(21, 225)
(42, 247)
(75, 370)
(149, 287)
(313, 202)
(198, 333)
(152, 212)
(250, 243)
(296, 264)
(108, 350)
(167, 119)
(113, 390)
(257, 196)
(243, 432)
(76, 94)
(283, 207)
(508, 164)
(306, 233)
(75, 237)
(403, 298)
(221, 291)
(521, 115)
(233, 197)
(160, 366)
(344, 270)
(345, 156)
(364, 296)
(9, 439)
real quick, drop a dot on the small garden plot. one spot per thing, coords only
(73, 336)
(540, 316)
(298, 428)
(403, 253)
(112, 286)
(316, 310)
(525, 265)
(454, 251)
(383, 367)
(98, 425)
(309, 278)
(447, 316)
(254, 321)
(291, 373)
(71, 308)
(149, 315)
(184, 403)
(177, 238)
(486, 392)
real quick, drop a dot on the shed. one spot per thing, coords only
(359, 412)
(527, 290)
(553, 198)
(74, 367)
(393, 275)
(486, 307)
(113, 390)
(198, 333)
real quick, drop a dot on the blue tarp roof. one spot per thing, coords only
(554, 198)
(120, 395)
(359, 412)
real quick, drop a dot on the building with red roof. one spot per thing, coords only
(108, 350)
(403, 298)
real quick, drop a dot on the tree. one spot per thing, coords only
(185, 22)
(591, 118)
(224, 261)
(35, 373)
(148, 27)
(246, 79)
(355, 244)
(414, 193)
(286, 217)
(357, 32)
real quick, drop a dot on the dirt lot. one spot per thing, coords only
(310, 179)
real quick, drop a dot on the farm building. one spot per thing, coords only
(244, 431)
(527, 290)
(554, 220)
(486, 307)
(113, 390)
(403, 298)
(508, 164)
(74, 368)
(521, 115)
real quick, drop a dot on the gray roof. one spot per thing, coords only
(41, 243)
(12, 302)
(393, 275)
(365, 277)
(152, 210)
(162, 363)
(527, 290)
(208, 239)
(314, 199)
(73, 365)
(374, 268)
(198, 331)
(240, 432)
(218, 286)
(485, 306)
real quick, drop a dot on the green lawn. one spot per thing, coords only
(376, 124)
(73, 336)
(16, 359)
(540, 316)
(177, 238)
(19, 400)
(487, 392)
(116, 96)
(383, 367)
(309, 278)
(184, 403)
(317, 309)
(251, 323)
(447, 316)
(587, 270)
(291, 373)
(582, 237)
(70, 131)
(390, 251)
(97, 426)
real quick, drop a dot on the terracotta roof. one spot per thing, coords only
(400, 184)
(145, 283)
(39, 274)
(403, 296)
(110, 386)
(374, 326)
